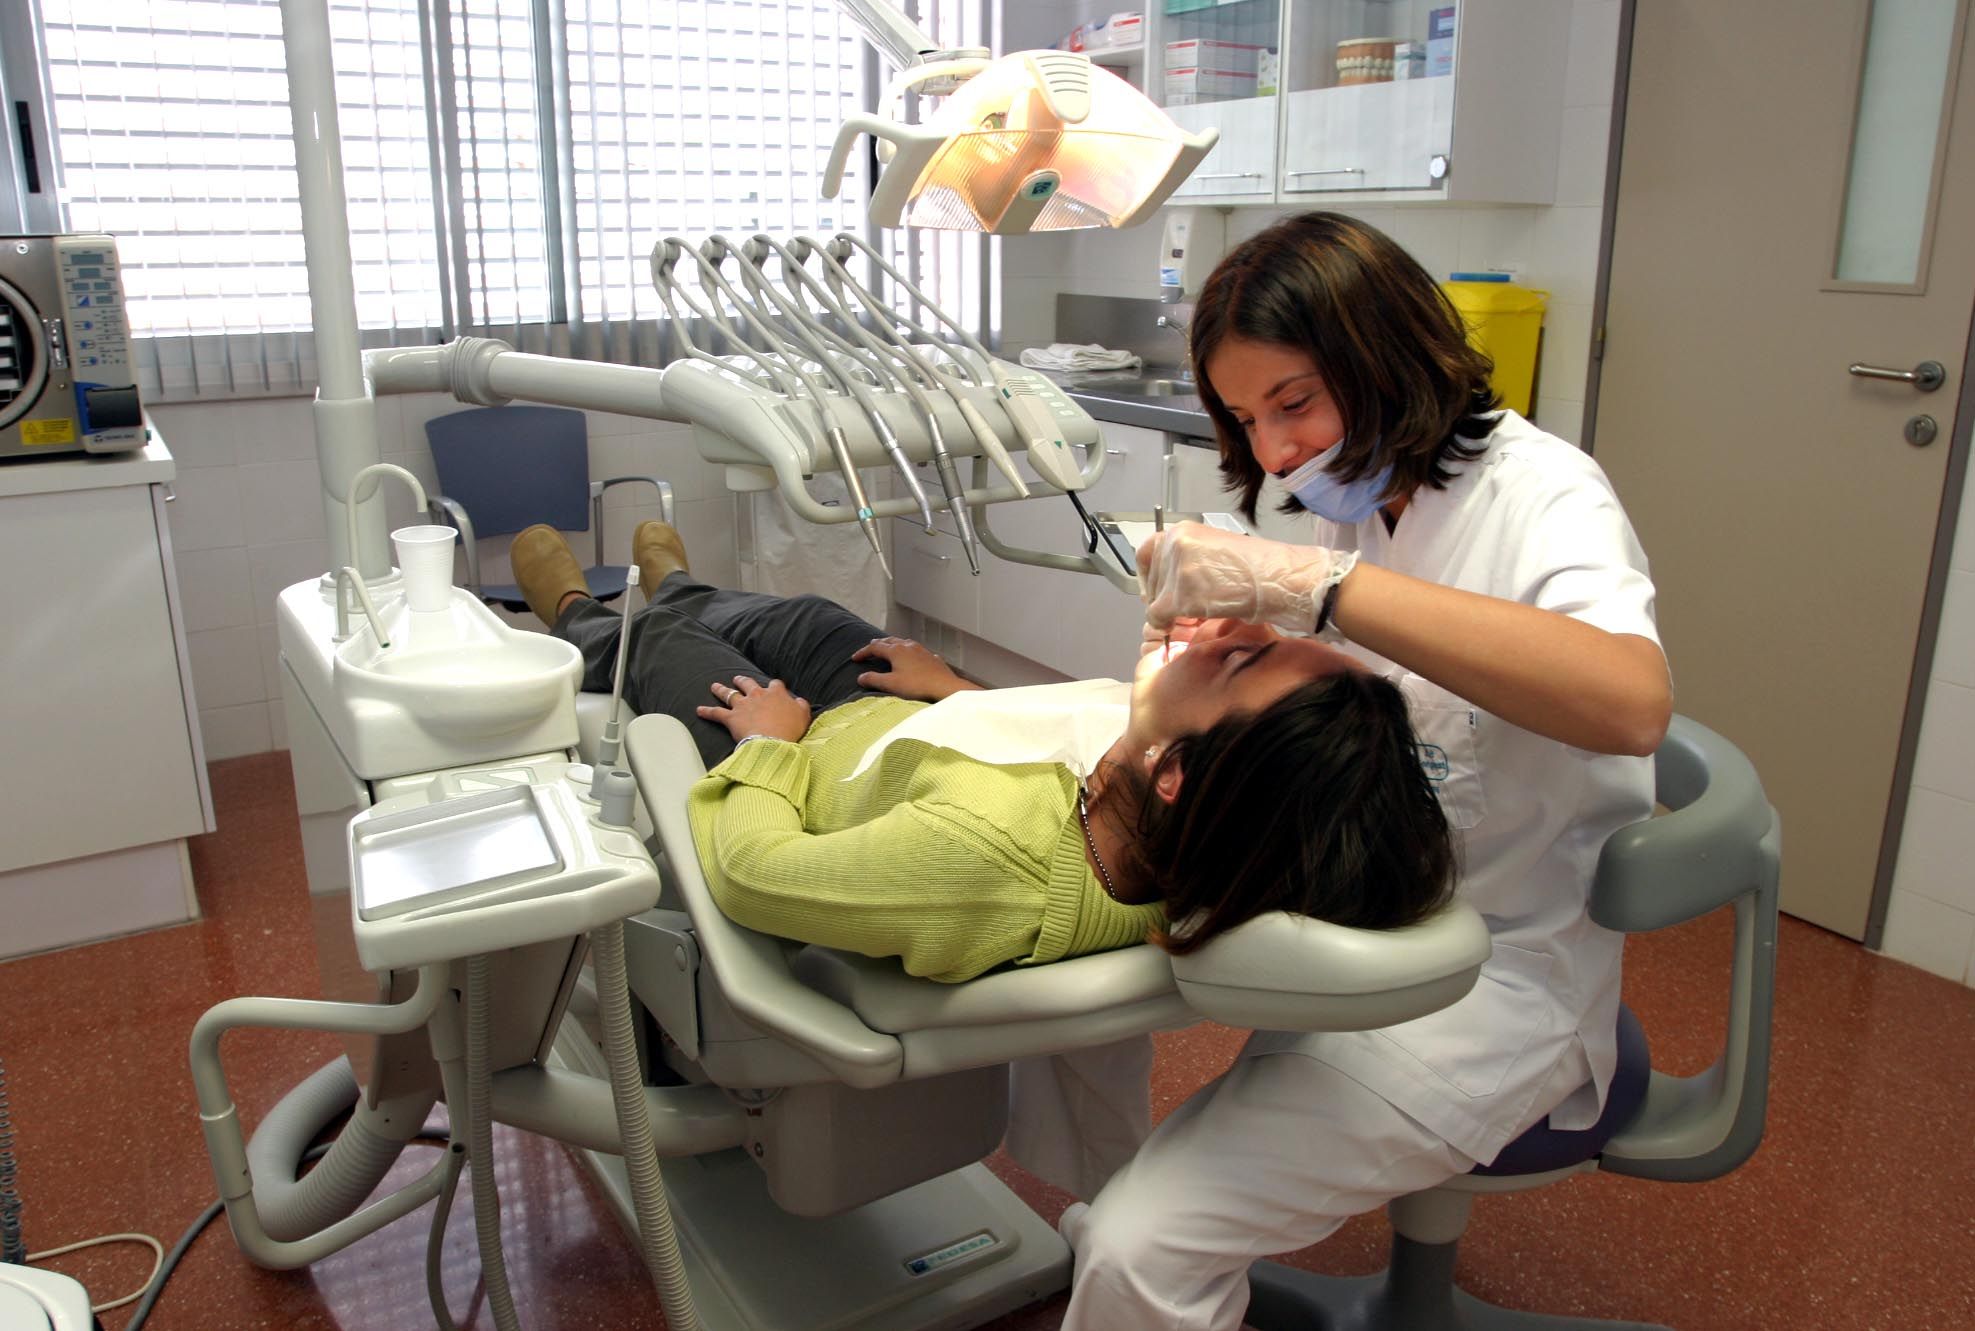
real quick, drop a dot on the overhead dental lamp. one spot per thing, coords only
(1033, 141)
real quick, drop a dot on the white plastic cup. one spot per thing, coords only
(425, 557)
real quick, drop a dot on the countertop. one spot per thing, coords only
(1109, 396)
(85, 471)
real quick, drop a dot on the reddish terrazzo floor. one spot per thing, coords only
(1855, 1214)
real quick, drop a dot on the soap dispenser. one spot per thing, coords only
(1191, 246)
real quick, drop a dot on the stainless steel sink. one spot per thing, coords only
(1138, 388)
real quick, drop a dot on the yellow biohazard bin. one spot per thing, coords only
(1504, 321)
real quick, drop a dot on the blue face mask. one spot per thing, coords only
(1346, 502)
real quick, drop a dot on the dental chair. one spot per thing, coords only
(873, 1094)
(1717, 846)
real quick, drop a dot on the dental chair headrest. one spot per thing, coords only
(1285, 972)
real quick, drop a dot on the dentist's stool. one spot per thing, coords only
(1718, 846)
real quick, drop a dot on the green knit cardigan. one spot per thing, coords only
(952, 865)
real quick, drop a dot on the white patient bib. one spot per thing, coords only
(1073, 724)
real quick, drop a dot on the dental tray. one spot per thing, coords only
(431, 881)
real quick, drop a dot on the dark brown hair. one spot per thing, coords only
(1390, 346)
(1317, 804)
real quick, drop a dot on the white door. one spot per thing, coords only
(1756, 255)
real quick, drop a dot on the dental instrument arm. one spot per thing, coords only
(852, 387)
(1026, 409)
(796, 276)
(885, 318)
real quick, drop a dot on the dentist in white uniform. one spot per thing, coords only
(1487, 567)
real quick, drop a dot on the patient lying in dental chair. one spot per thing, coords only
(861, 795)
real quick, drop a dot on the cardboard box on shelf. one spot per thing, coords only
(1440, 41)
(1201, 53)
(1188, 87)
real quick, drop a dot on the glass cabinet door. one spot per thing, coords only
(1368, 94)
(1217, 66)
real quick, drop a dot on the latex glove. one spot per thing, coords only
(1202, 572)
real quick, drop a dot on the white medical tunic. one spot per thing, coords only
(1533, 520)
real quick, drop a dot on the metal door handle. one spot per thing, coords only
(1228, 175)
(1114, 452)
(1333, 171)
(1926, 376)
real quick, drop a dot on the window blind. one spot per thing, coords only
(508, 165)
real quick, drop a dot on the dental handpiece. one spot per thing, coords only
(800, 281)
(841, 281)
(839, 443)
(856, 390)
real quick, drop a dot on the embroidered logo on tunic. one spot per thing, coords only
(1433, 761)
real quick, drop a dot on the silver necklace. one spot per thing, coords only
(1103, 874)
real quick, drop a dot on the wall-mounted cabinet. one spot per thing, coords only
(1408, 100)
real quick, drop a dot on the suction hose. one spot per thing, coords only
(658, 1241)
(293, 1208)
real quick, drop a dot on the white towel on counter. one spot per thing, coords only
(1078, 356)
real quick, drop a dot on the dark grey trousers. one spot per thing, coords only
(692, 636)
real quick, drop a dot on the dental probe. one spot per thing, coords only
(715, 250)
(794, 274)
(608, 747)
(895, 328)
(1159, 525)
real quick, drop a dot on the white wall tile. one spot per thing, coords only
(1565, 351)
(398, 510)
(204, 513)
(1432, 236)
(1929, 935)
(214, 588)
(1564, 262)
(231, 732)
(1593, 61)
(1964, 535)
(226, 667)
(277, 724)
(280, 501)
(1954, 650)
(270, 568)
(1582, 148)
(1028, 310)
(1494, 238)
(1561, 417)
(269, 637)
(274, 429)
(1937, 848)
(1947, 737)
(198, 434)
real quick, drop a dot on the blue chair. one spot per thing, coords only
(505, 468)
(1718, 846)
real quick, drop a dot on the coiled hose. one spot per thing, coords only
(658, 1241)
(13, 1248)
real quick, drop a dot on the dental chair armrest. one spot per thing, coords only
(1284, 972)
(752, 969)
(451, 513)
(1702, 854)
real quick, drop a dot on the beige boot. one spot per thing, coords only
(657, 550)
(545, 570)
